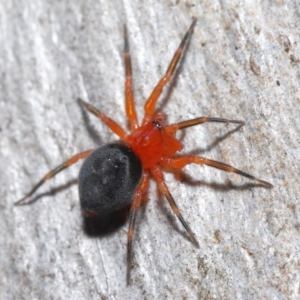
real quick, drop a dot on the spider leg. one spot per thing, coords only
(55, 171)
(158, 176)
(129, 97)
(184, 124)
(180, 162)
(151, 102)
(111, 124)
(132, 216)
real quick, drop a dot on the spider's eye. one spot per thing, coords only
(157, 125)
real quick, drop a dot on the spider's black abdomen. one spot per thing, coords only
(108, 178)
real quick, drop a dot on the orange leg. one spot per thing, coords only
(180, 162)
(158, 176)
(129, 97)
(151, 102)
(142, 188)
(181, 125)
(52, 173)
(111, 124)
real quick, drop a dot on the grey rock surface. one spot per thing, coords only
(243, 62)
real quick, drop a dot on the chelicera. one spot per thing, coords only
(117, 175)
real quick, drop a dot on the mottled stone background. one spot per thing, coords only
(243, 62)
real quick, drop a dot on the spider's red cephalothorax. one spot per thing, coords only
(116, 175)
(151, 141)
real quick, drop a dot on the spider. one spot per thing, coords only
(117, 175)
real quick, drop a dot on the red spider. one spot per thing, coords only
(117, 175)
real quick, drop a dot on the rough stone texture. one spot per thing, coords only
(243, 62)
